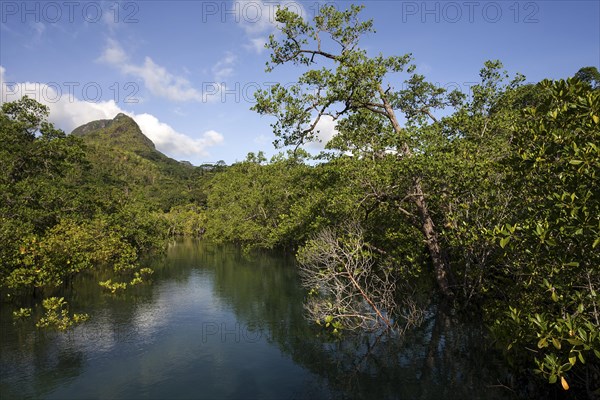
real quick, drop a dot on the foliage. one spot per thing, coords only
(127, 161)
(71, 203)
(186, 220)
(590, 76)
(260, 205)
(495, 200)
(359, 92)
(113, 287)
(22, 313)
(550, 243)
(57, 315)
(505, 200)
(468, 170)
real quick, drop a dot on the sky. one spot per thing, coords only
(186, 71)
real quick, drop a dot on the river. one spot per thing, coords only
(216, 324)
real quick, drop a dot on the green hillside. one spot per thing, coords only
(101, 196)
(122, 156)
(120, 130)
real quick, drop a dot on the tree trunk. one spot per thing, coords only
(438, 255)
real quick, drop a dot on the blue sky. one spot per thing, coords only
(186, 70)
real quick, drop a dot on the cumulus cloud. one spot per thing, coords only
(162, 83)
(159, 81)
(113, 54)
(67, 113)
(327, 129)
(170, 141)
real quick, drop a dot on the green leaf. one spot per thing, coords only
(556, 343)
(543, 342)
(572, 264)
(504, 241)
(575, 342)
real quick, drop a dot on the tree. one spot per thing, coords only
(62, 214)
(346, 289)
(589, 75)
(551, 239)
(355, 90)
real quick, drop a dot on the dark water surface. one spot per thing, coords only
(218, 325)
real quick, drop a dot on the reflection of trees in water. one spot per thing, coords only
(442, 358)
(35, 362)
(44, 359)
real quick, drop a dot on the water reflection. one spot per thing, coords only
(444, 358)
(217, 324)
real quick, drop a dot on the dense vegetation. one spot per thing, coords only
(488, 200)
(101, 197)
(493, 197)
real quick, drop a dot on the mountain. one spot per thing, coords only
(124, 133)
(121, 155)
(121, 131)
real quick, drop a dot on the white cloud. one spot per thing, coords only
(113, 54)
(254, 16)
(36, 34)
(162, 83)
(67, 113)
(224, 67)
(327, 129)
(257, 16)
(156, 78)
(113, 21)
(172, 142)
(256, 44)
(179, 111)
(38, 27)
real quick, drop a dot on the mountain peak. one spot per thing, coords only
(121, 131)
(121, 115)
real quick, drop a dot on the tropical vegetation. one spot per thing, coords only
(488, 201)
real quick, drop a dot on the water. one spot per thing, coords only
(218, 325)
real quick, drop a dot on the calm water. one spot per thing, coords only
(218, 325)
